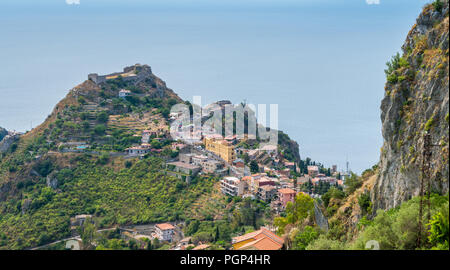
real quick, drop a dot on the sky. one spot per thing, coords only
(321, 61)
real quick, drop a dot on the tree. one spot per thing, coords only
(85, 125)
(332, 193)
(156, 244)
(81, 100)
(305, 237)
(156, 144)
(204, 237)
(246, 158)
(296, 212)
(254, 168)
(87, 234)
(364, 203)
(149, 245)
(44, 167)
(133, 100)
(439, 229)
(103, 159)
(352, 184)
(100, 129)
(192, 227)
(392, 66)
(84, 115)
(102, 117)
(438, 5)
(217, 234)
(128, 164)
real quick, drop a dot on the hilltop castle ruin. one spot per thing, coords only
(134, 74)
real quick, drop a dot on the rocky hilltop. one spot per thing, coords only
(416, 103)
(7, 139)
(85, 102)
(3, 133)
(78, 162)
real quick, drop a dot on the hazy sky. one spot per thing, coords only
(322, 61)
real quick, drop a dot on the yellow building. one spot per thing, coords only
(222, 148)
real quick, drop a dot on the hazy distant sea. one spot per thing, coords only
(321, 61)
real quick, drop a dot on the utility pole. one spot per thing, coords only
(424, 176)
(425, 179)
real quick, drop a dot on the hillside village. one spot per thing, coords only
(124, 116)
(244, 170)
(104, 171)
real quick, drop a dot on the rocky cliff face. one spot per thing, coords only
(3, 133)
(7, 139)
(416, 103)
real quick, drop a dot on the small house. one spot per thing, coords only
(124, 93)
(165, 232)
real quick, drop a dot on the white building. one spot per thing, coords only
(313, 171)
(137, 150)
(232, 186)
(270, 149)
(199, 159)
(212, 166)
(124, 93)
(146, 134)
(165, 232)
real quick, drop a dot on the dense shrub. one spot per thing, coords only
(305, 237)
(438, 5)
(323, 243)
(396, 62)
(397, 228)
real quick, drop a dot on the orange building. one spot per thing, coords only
(262, 239)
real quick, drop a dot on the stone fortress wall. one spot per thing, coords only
(131, 73)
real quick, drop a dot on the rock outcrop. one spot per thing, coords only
(7, 142)
(320, 218)
(3, 133)
(416, 103)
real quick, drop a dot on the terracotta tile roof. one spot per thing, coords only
(262, 244)
(272, 236)
(246, 236)
(213, 136)
(186, 239)
(165, 226)
(201, 247)
(263, 240)
(286, 191)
